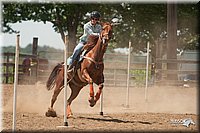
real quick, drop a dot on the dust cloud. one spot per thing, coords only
(36, 99)
(30, 98)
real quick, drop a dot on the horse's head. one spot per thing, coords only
(106, 33)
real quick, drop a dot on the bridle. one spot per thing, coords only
(107, 35)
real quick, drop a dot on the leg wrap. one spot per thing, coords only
(101, 86)
(91, 90)
(97, 96)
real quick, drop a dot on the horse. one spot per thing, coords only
(89, 71)
(26, 66)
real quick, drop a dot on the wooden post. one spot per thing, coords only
(35, 46)
(34, 68)
(158, 56)
(172, 38)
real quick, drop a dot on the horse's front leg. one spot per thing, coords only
(90, 81)
(98, 94)
(99, 82)
(91, 98)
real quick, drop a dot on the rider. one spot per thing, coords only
(90, 28)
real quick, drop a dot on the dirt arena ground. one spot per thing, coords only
(164, 110)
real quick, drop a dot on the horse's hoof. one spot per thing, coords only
(92, 104)
(70, 116)
(51, 113)
(92, 101)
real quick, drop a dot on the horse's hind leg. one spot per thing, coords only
(51, 111)
(59, 86)
(55, 95)
(74, 93)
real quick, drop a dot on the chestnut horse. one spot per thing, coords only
(90, 71)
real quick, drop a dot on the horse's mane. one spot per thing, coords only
(91, 42)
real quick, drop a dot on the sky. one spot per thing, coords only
(29, 29)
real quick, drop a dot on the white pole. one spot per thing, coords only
(128, 75)
(101, 103)
(15, 83)
(147, 70)
(65, 83)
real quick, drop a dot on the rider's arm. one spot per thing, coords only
(90, 32)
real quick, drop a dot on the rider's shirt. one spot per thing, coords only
(90, 29)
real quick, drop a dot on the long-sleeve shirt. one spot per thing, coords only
(90, 29)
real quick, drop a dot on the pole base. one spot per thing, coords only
(65, 123)
(65, 126)
(127, 106)
(101, 113)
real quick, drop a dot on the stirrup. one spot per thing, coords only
(83, 52)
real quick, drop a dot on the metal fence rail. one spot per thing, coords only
(115, 69)
(183, 75)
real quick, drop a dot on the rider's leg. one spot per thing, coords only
(75, 54)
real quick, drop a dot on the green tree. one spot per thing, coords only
(65, 17)
(139, 22)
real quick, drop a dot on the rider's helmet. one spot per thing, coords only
(95, 14)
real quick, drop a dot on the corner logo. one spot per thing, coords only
(184, 122)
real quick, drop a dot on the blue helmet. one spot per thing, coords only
(95, 14)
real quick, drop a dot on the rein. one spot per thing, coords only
(91, 59)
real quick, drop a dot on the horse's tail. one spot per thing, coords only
(51, 80)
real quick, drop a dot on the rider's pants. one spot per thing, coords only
(75, 54)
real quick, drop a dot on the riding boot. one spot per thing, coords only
(77, 59)
(72, 66)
